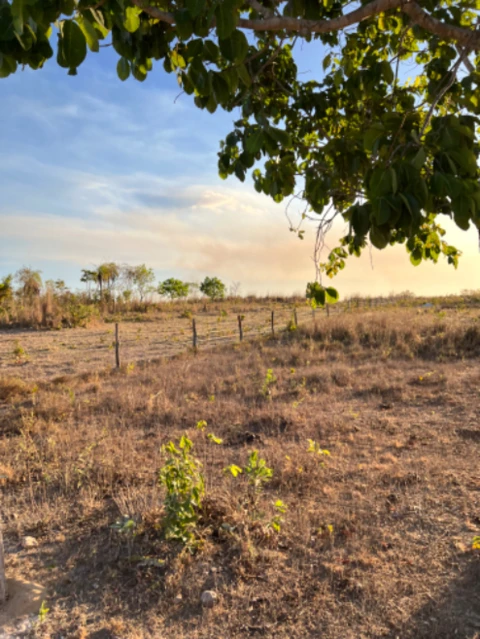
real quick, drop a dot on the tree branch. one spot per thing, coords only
(260, 9)
(464, 37)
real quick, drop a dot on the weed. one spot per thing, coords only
(476, 543)
(268, 382)
(185, 488)
(291, 326)
(256, 470)
(314, 448)
(43, 612)
(19, 352)
(277, 520)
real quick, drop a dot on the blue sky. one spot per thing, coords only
(94, 169)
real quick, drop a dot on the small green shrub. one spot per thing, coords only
(268, 382)
(185, 488)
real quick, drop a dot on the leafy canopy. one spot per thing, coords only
(173, 288)
(387, 138)
(213, 288)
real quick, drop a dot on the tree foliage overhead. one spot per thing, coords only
(385, 134)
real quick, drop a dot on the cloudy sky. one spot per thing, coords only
(95, 170)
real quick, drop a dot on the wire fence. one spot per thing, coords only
(48, 354)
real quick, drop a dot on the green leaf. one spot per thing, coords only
(234, 48)
(123, 69)
(416, 256)
(372, 135)
(380, 182)
(382, 211)
(281, 136)
(317, 297)
(18, 15)
(198, 75)
(139, 72)
(226, 15)
(184, 24)
(419, 159)
(254, 141)
(132, 19)
(233, 470)
(387, 72)
(195, 7)
(220, 88)
(72, 46)
(331, 295)
(177, 60)
(244, 75)
(463, 210)
(378, 237)
(89, 32)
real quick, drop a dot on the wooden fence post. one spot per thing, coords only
(327, 307)
(240, 328)
(273, 322)
(194, 328)
(117, 347)
(3, 582)
(295, 318)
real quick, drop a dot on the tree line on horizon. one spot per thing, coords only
(109, 282)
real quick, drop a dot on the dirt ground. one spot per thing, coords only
(376, 540)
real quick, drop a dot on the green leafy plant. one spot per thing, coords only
(476, 543)
(315, 449)
(43, 612)
(202, 425)
(276, 521)
(19, 352)
(257, 470)
(183, 481)
(268, 382)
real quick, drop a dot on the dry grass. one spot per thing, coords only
(376, 542)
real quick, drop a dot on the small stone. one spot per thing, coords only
(209, 598)
(29, 542)
(178, 599)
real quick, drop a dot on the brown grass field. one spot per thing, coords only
(376, 541)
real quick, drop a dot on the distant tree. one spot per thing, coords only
(234, 290)
(30, 282)
(56, 287)
(89, 277)
(213, 288)
(60, 287)
(173, 288)
(104, 277)
(6, 288)
(139, 277)
(107, 274)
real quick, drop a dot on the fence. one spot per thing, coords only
(50, 354)
(203, 332)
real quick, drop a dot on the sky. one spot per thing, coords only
(94, 170)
